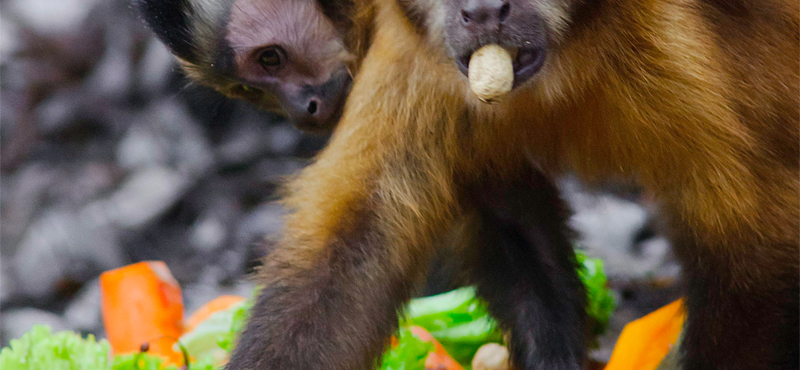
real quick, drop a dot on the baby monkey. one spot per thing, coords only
(292, 57)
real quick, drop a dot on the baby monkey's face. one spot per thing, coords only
(287, 57)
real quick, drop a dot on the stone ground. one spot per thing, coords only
(110, 157)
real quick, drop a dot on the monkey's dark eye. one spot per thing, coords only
(271, 56)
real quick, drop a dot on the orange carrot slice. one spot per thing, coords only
(439, 359)
(213, 306)
(645, 342)
(426, 336)
(142, 303)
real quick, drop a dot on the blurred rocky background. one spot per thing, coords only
(110, 156)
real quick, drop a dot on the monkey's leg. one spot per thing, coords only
(330, 308)
(351, 252)
(525, 268)
(742, 307)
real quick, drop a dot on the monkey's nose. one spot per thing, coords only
(313, 104)
(317, 108)
(316, 113)
(485, 14)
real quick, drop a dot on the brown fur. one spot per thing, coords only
(697, 100)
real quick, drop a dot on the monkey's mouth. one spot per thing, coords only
(527, 62)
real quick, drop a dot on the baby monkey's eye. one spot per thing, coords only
(271, 56)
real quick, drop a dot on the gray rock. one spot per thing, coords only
(247, 141)
(9, 38)
(52, 17)
(86, 182)
(255, 134)
(141, 147)
(208, 288)
(63, 244)
(24, 193)
(14, 80)
(191, 150)
(144, 196)
(205, 289)
(256, 234)
(7, 285)
(607, 227)
(112, 78)
(208, 233)
(657, 260)
(16, 322)
(155, 67)
(265, 222)
(58, 112)
(234, 261)
(176, 142)
(84, 312)
(275, 170)
(283, 139)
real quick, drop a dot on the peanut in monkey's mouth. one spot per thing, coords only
(527, 62)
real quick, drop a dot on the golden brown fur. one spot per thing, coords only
(696, 100)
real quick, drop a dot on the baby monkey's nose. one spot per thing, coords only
(312, 106)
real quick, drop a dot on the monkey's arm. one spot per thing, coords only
(359, 235)
(347, 262)
(330, 306)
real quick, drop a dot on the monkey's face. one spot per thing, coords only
(287, 54)
(284, 56)
(528, 28)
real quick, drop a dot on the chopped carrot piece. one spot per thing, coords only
(425, 336)
(439, 359)
(142, 303)
(215, 305)
(645, 342)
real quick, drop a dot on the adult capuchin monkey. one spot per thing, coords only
(292, 57)
(697, 100)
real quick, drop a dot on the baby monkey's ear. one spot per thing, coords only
(340, 12)
(171, 21)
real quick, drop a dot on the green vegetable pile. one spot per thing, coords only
(457, 319)
(461, 321)
(40, 349)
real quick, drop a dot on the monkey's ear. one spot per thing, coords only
(171, 22)
(339, 12)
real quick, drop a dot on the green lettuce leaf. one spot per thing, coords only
(601, 303)
(41, 349)
(409, 354)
